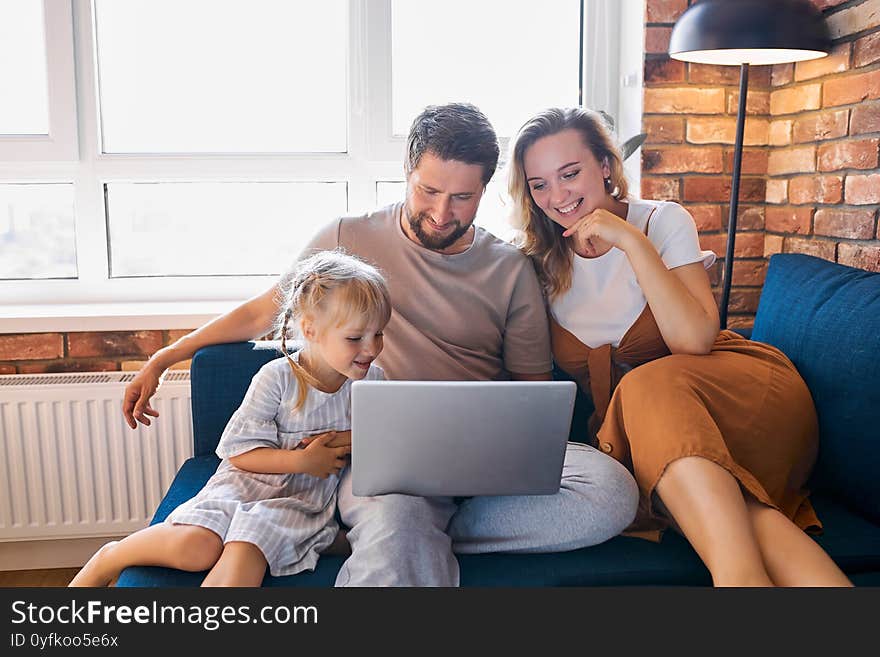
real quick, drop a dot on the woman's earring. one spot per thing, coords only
(614, 192)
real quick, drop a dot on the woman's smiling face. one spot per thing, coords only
(564, 177)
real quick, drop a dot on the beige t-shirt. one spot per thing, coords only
(474, 315)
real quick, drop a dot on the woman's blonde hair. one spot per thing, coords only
(541, 238)
(331, 287)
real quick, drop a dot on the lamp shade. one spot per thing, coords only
(734, 32)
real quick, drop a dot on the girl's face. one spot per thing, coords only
(346, 349)
(564, 177)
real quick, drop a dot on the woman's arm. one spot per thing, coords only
(680, 299)
(250, 320)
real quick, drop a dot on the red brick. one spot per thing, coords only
(754, 161)
(780, 132)
(862, 190)
(861, 154)
(69, 366)
(865, 118)
(717, 189)
(815, 189)
(749, 245)
(777, 191)
(664, 11)
(661, 189)
(816, 127)
(851, 224)
(664, 70)
(820, 248)
(682, 159)
(792, 160)
(796, 99)
(722, 130)
(746, 245)
(657, 39)
(781, 74)
(788, 219)
(836, 62)
(743, 300)
(773, 244)
(748, 217)
(867, 50)
(706, 217)
(176, 334)
(858, 255)
(749, 272)
(757, 102)
(712, 74)
(663, 129)
(7, 369)
(851, 89)
(121, 343)
(683, 100)
(31, 346)
(854, 19)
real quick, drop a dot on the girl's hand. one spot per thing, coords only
(320, 460)
(595, 234)
(337, 439)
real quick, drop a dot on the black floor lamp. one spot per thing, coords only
(744, 33)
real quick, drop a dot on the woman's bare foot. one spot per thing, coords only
(98, 570)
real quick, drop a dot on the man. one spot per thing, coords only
(466, 306)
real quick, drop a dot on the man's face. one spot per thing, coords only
(442, 197)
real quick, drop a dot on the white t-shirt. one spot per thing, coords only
(605, 299)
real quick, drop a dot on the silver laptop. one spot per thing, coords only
(459, 438)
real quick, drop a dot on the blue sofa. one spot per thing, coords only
(824, 316)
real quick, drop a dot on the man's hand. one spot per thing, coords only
(136, 401)
(320, 460)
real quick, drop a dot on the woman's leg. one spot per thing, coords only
(708, 506)
(791, 557)
(240, 564)
(185, 547)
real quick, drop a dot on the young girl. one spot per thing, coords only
(272, 500)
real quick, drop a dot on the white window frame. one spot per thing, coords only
(374, 154)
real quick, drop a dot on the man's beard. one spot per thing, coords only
(430, 240)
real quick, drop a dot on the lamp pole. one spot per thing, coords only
(734, 192)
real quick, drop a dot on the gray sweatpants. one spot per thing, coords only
(402, 540)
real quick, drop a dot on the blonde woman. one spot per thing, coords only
(719, 432)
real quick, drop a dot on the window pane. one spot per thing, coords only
(36, 231)
(24, 109)
(223, 76)
(510, 58)
(492, 215)
(192, 229)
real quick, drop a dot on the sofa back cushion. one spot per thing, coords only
(221, 375)
(826, 318)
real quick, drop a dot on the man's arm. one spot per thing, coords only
(250, 320)
(543, 376)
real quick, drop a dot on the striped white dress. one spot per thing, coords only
(290, 517)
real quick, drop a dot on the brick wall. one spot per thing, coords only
(810, 177)
(810, 180)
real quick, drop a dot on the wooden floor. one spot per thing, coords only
(53, 577)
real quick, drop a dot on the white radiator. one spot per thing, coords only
(69, 465)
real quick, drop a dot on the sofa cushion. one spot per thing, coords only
(852, 542)
(826, 318)
(221, 375)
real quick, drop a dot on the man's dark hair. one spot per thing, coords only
(457, 131)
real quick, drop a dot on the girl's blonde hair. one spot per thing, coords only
(332, 287)
(541, 238)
